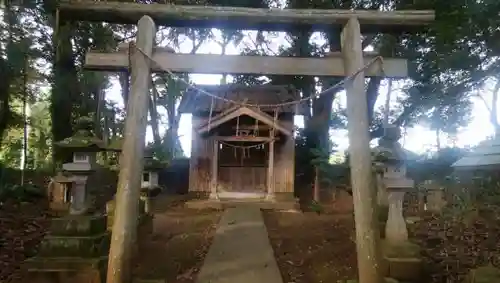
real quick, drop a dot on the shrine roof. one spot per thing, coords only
(485, 156)
(195, 100)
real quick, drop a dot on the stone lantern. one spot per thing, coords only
(395, 182)
(400, 255)
(84, 146)
(149, 178)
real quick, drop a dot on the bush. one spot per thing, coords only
(20, 193)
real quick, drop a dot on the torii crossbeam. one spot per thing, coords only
(237, 64)
(196, 16)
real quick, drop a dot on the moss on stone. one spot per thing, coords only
(406, 250)
(484, 274)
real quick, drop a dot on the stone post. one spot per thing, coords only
(435, 199)
(78, 204)
(395, 229)
(382, 196)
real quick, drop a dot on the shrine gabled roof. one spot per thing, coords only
(235, 112)
(194, 100)
(485, 156)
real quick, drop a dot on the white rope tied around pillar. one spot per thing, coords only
(278, 105)
(210, 115)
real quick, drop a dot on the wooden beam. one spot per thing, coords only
(238, 64)
(244, 139)
(131, 160)
(260, 116)
(252, 127)
(364, 195)
(221, 115)
(241, 18)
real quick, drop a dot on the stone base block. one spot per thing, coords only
(386, 280)
(402, 261)
(83, 225)
(87, 276)
(483, 274)
(65, 246)
(204, 204)
(404, 269)
(43, 264)
(260, 203)
(58, 209)
(401, 250)
(149, 281)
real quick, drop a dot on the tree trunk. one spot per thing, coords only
(316, 188)
(64, 90)
(124, 78)
(25, 120)
(438, 139)
(5, 111)
(153, 113)
(494, 108)
(7, 76)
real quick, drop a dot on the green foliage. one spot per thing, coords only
(19, 193)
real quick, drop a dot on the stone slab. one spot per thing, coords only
(228, 203)
(87, 246)
(41, 264)
(241, 251)
(78, 225)
(404, 269)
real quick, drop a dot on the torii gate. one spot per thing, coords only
(346, 63)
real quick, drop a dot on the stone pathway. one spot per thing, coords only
(241, 251)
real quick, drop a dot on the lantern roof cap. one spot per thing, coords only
(62, 178)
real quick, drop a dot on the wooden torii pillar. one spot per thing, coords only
(347, 63)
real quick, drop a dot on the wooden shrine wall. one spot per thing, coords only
(201, 160)
(284, 162)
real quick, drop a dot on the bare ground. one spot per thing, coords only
(313, 248)
(177, 247)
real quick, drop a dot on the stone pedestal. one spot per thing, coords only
(79, 195)
(402, 261)
(395, 229)
(401, 257)
(435, 200)
(76, 246)
(483, 274)
(382, 196)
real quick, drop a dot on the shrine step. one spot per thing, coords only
(71, 246)
(61, 264)
(227, 203)
(83, 225)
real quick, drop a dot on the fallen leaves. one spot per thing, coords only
(454, 244)
(22, 227)
(177, 248)
(312, 248)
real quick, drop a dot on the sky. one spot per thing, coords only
(418, 139)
